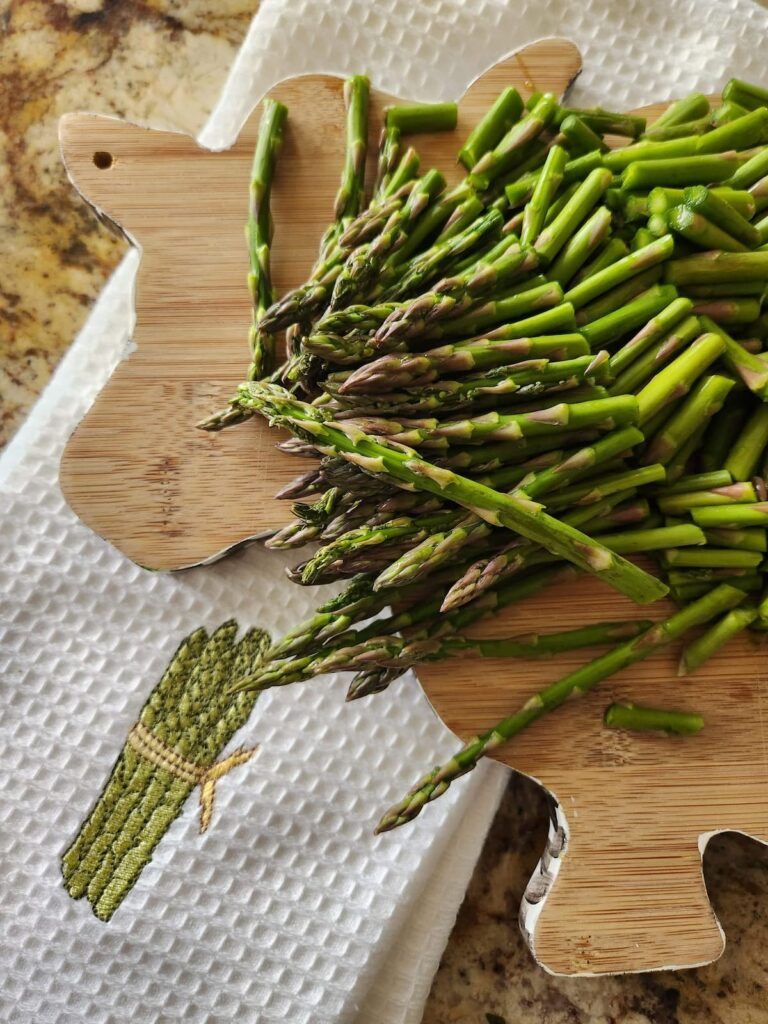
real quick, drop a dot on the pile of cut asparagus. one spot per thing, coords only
(523, 378)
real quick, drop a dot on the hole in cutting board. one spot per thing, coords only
(103, 160)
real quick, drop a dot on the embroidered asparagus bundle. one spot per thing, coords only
(186, 722)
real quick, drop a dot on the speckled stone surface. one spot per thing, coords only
(487, 968)
(163, 62)
(159, 62)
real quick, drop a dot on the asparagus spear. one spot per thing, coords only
(703, 402)
(575, 466)
(486, 572)
(749, 173)
(436, 782)
(579, 137)
(745, 94)
(580, 247)
(704, 647)
(717, 267)
(732, 494)
(661, 200)
(492, 127)
(677, 378)
(702, 232)
(745, 540)
(349, 198)
(653, 331)
(434, 550)
(628, 542)
(259, 234)
(680, 131)
(594, 490)
(636, 718)
(404, 466)
(750, 368)
(612, 251)
(731, 312)
(712, 558)
(604, 121)
(686, 109)
(389, 154)
(721, 214)
(686, 170)
(748, 447)
(618, 411)
(498, 160)
(499, 348)
(629, 266)
(547, 185)
(490, 456)
(731, 517)
(552, 239)
(422, 117)
(726, 112)
(400, 652)
(636, 313)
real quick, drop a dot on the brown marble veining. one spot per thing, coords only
(160, 62)
(487, 968)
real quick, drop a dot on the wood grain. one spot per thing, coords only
(135, 470)
(629, 893)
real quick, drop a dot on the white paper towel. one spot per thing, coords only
(288, 909)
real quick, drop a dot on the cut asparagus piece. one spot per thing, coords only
(688, 108)
(637, 312)
(722, 214)
(422, 117)
(704, 647)
(579, 137)
(752, 370)
(552, 239)
(653, 331)
(511, 148)
(679, 376)
(629, 266)
(704, 401)
(745, 94)
(642, 719)
(688, 170)
(628, 542)
(547, 185)
(731, 517)
(732, 494)
(492, 127)
(746, 453)
(580, 247)
(604, 121)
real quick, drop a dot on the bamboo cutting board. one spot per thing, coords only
(620, 887)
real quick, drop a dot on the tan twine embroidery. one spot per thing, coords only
(145, 743)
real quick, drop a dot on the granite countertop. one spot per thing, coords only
(163, 62)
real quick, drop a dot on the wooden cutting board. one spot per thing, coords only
(632, 813)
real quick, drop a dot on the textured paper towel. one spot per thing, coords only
(288, 909)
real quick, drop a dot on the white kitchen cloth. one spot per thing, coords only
(288, 909)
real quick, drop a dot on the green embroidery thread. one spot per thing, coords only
(173, 748)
